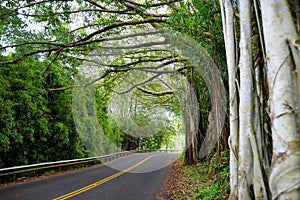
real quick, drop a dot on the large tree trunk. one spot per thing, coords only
(250, 183)
(245, 161)
(190, 113)
(229, 39)
(282, 45)
(283, 60)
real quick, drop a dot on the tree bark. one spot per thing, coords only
(246, 117)
(191, 121)
(229, 39)
(283, 61)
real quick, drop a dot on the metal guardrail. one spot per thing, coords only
(33, 167)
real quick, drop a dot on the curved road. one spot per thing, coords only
(134, 177)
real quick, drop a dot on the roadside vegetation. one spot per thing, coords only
(207, 180)
(212, 177)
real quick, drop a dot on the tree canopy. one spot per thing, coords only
(82, 77)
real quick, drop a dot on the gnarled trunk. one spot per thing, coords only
(250, 141)
(283, 60)
(190, 114)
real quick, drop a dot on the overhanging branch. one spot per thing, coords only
(139, 84)
(155, 93)
(120, 24)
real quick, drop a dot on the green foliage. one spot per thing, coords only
(139, 117)
(211, 178)
(22, 96)
(201, 20)
(108, 124)
(59, 110)
(209, 193)
(218, 174)
(218, 189)
(163, 139)
(36, 125)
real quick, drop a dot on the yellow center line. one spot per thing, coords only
(88, 187)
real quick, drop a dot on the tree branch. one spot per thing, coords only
(143, 45)
(95, 4)
(155, 93)
(128, 12)
(91, 82)
(165, 83)
(123, 70)
(74, 44)
(139, 84)
(120, 24)
(152, 5)
(159, 59)
(53, 43)
(30, 5)
(29, 54)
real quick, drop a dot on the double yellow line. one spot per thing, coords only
(88, 187)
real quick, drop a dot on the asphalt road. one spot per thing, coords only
(134, 177)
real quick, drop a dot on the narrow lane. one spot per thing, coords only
(134, 177)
